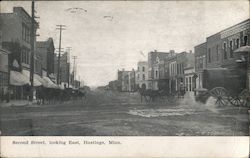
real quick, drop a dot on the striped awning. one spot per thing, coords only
(18, 79)
(46, 82)
(36, 82)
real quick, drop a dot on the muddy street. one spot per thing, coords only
(106, 113)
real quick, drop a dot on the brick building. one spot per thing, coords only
(213, 51)
(126, 81)
(16, 30)
(142, 74)
(4, 73)
(218, 50)
(113, 85)
(64, 71)
(172, 62)
(200, 52)
(45, 49)
(231, 39)
(155, 64)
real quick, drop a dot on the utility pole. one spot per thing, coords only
(74, 69)
(59, 27)
(68, 48)
(32, 39)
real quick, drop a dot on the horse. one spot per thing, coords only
(151, 94)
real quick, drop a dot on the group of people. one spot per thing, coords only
(52, 96)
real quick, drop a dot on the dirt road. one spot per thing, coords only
(122, 114)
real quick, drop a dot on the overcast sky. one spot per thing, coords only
(109, 35)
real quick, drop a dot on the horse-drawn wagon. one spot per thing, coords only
(226, 85)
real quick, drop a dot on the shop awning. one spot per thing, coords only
(243, 49)
(48, 83)
(18, 79)
(61, 86)
(36, 82)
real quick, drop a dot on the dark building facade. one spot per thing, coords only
(213, 52)
(155, 65)
(45, 49)
(4, 73)
(231, 39)
(16, 38)
(200, 53)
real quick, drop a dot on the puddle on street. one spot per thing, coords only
(161, 112)
(186, 106)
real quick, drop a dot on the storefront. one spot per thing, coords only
(19, 85)
(4, 73)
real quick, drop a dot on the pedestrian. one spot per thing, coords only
(7, 94)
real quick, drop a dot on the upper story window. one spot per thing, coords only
(182, 68)
(225, 50)
(25, 33)
(143, 77)
(25, 55)
(209, 55)
(245, 41)
(143, 69)
(156, 74)
(178, 68)
(217, 52)
(231, 49)
(237, 44)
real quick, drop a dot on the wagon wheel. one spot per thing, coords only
(235, 100)
(220, 94)
(243, 97)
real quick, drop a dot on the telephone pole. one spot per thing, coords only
(32, 39)
(68, 48)
(59, 27)
(74, 69)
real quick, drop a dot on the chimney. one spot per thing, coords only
(172, 52)
(190, 51)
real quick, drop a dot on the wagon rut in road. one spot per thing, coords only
(162, 112)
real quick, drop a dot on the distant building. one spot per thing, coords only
(189, 79)
(113, 85)
(65, 69)
(176, 65)
(126, 81)
(155, 61)
(45, 49)
(200, 52)
(171, 64)
(213, 51)
(142, 74)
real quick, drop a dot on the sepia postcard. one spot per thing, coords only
(124, 79)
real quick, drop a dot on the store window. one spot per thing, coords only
(217, 52)
(225, 50)
(231, 49)
(209, 55)
(245, 41)
(237, 43)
